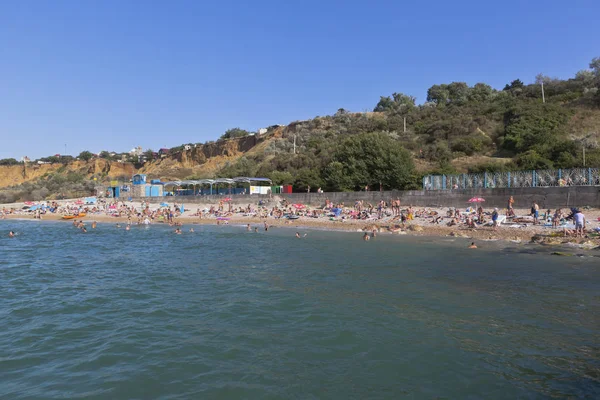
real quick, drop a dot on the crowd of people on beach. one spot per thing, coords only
(391, 212)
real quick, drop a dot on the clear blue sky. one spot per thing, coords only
(113, 74)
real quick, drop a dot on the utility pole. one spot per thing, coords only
(543, 97)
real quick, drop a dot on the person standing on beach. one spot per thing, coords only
(535, 211)
(579, 224)
(495, 218)
(510, 210)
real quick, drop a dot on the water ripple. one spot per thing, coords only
(223, 313)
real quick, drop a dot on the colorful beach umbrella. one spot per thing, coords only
(299, 206)
(227, 199)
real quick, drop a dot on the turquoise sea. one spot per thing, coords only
(222, 313)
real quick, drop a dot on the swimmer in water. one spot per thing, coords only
(191, 230)
(366, 237)
(178, 231)
(11, 234)
(94, 225)
(83, 229)
(248, 228)
(374, 233)
(298, 235)
(473, 245)
(118, 225)
(128, 227)
(255, 229)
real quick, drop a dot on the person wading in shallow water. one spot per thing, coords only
(473, 245)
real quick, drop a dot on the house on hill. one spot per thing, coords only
(163, 152)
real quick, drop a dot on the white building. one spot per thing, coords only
(136, 151)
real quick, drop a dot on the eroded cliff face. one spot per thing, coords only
(204, 160)
(16, 174)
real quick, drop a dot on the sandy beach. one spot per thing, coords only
(422, 225)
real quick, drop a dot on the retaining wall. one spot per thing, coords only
(550, 197)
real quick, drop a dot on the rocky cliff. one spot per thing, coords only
(202, 160)
(17, 174)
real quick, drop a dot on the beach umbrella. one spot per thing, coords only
(227, 199)
(299, 206)
(476, 200)
(163, 204)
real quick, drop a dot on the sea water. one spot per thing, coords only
(223, 313)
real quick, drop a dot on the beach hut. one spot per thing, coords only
(114, 190)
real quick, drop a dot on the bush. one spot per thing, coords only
(532, 160)
(468, 145)
(8, 161)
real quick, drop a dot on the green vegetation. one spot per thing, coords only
(51, 186)
(8, 161)
(85, 155)
(347, 151)
(234, 133)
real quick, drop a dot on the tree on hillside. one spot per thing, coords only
(480, 93)
(458, 92)
(234, 133)
(534, 127)
(149, 154)
(514, 85)
(85, 155)
(398, 102)
(8, 161)
(595, 65)
(370, 159)
(438, 94)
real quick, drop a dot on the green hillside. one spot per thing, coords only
(458, 123)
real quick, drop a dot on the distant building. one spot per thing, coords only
(163, 152)
(25, 159)
(262, 131)
(136, 151)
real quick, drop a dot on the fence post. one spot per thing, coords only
(508, 179)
